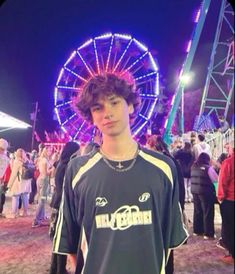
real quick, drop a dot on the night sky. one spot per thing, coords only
(37, 37)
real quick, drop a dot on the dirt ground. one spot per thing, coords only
(26, 250)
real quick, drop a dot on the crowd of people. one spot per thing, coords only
(95, 217)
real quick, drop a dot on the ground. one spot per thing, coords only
(26, 250)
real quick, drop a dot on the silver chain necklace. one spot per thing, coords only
(119, 167)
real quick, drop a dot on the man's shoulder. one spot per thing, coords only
(158, 156)
(77, 162)
(228, 160)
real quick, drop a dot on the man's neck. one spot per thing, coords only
(118, 147)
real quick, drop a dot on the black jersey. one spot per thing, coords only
(124, 222)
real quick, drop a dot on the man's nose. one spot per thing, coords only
(108, 112)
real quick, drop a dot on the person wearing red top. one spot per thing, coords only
(4, 163)
(226, 199)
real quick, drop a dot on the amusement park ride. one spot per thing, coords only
(128, 57)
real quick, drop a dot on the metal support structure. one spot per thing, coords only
(218, 90)
(186, 68)
(34, 125)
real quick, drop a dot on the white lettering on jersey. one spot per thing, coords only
(123, 218)
(144, 197)
(101, 201)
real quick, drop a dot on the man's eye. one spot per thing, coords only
(95, 108)
(115, 102)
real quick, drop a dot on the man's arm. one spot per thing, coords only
(67, 228)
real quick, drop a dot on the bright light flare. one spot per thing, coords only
(186, 78)
(7, 121)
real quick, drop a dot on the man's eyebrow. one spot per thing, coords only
(112, 97)
(96, 104)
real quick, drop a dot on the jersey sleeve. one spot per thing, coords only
(178, 232)
(67, 229)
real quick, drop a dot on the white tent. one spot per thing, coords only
(8, 122)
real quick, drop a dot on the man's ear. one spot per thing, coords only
(130, 108)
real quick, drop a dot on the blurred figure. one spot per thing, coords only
(185, 158)
(157, 144)
(222, 157)
(33, 157)
(44, 167)
(58, 261)
(203, 176)
(226, 199)
(201, 146)
(224, 125)
(4, 163)
(19, 183)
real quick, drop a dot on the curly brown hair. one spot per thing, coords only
(103, 85)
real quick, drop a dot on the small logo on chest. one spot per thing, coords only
(101, 201)
(144, 197)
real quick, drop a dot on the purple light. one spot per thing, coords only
(145, 118)
(70, 58)
(146, 75)
(124, 52)
(60, 75)
(85, 63)
(140, 45)
(197, 16)
(141, 57)
(110, 48)
(55, 95)
(64, 130)
(85, 44)
(67, 87)
(189, 46)
(61, 105)
(123, 36)
(57, 114)
(77, 75)
(79, 129)
(155, 67)
(96, 57)
(104, 36)
(145, 95)
(66, 121)
(140, 128)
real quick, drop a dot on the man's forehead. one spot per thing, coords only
(108, 97)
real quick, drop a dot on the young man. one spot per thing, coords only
(201, 146)
(120, 202)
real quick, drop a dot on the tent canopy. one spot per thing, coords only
(9, 122)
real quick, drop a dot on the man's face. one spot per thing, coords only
(226, 147)
(111, 115)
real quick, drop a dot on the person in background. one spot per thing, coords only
(203, 176)
(19, 185)
(225, 196)
(4, 164)
(224, 125)
(228, 149)
(45, 169)
(185, 158)
(224, 155)
(201, 146)
(33, 157)
(58, 261)
(120, 201)
(157, 144)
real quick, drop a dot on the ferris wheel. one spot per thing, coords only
(115, 53)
